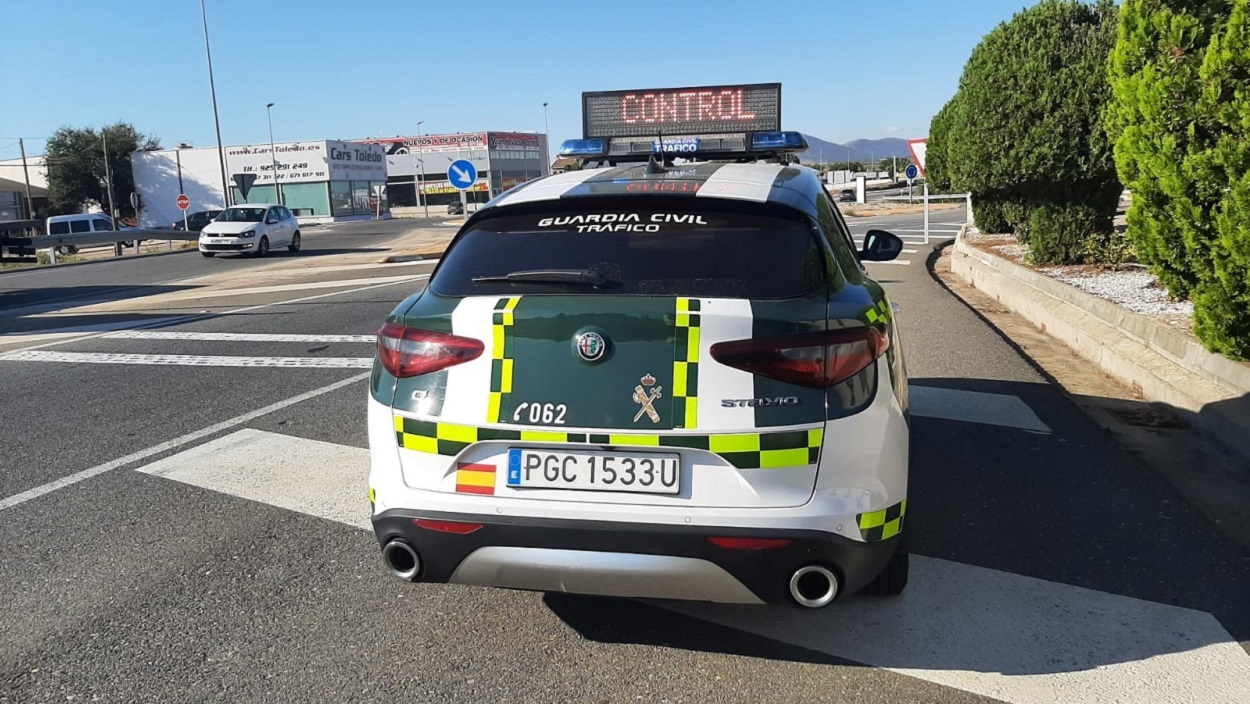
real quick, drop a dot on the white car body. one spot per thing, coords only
(250, 229)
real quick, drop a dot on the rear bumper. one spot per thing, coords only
(627, 559)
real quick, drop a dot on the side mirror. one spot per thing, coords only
(881, 246)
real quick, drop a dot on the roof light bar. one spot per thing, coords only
(583, 148)
(778, 141)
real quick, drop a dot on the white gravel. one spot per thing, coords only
(1012, 251)
(1135, 289)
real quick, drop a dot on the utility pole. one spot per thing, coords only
(421, 185)
(108, 189)
(273, 157)
(546, 142)
(212, 86)
(30, 203)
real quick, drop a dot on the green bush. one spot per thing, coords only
(1108, 250)
(1180, 121)
(988, 215)
(1025, 129)
(1059, 232)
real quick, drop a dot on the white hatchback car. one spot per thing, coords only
(250, 229)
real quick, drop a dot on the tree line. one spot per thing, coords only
(1063, 107)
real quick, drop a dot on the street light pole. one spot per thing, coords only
(421, 151)
(546, 138)
(212, 86)
(273, 156)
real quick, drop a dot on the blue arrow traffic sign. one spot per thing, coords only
(462, 174)
(912, 171)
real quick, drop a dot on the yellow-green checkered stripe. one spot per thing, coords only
(775, 450)
(501, 355)
(878, 314)
(883, 524)
(686, 364)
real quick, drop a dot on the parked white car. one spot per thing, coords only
(250, 229)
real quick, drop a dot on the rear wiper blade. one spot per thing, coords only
(583, 277)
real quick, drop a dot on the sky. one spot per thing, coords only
(345, 69)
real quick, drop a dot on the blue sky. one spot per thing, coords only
(342, 69)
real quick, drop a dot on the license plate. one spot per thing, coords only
(645, 472)
(219, 241)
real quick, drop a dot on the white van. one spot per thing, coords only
(81, 223)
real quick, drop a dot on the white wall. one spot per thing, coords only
(12, 170)
(156, 180)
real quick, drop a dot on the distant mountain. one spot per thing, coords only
(859, 150)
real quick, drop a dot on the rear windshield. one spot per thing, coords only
(709, 253)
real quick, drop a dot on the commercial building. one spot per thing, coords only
(320, 181)
(502, 160)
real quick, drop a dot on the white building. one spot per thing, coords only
(11, 169)
(320, 181)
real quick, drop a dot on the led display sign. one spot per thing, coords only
(682, 111)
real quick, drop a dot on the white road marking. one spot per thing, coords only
(1010, 637)
(932, 231)
(188, 360)
(322, 479)
(975, 407)
(81, 330)
(1016, 639)
(235, 336)
(162, 322)
(23, 497)
(895, 262)
(280, 288)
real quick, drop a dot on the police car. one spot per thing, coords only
(649, 379)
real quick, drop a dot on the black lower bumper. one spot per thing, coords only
(226, 247)
(765, 571)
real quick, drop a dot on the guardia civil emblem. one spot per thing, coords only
(647, 396)
(591, 346)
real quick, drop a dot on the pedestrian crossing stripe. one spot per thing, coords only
(769, 450)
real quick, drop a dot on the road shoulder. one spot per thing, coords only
(1204, 475)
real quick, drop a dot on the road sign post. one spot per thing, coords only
(919, 148)
(184, 203)
(912, 171)
(462, 174)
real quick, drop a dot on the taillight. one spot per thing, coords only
(455, 527)
(406, 351)
(807, 359)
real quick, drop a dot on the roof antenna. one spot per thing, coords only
(653, 166)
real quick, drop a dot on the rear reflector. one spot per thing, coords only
(749, 543)
(447, 526)
(406, 352)
(816, 359)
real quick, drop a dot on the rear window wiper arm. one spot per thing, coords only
(582, 277)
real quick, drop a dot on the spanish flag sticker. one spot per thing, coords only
(472, 478)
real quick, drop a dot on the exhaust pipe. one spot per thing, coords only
(813, 586)
(402, 560)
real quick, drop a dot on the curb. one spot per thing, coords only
(1211, 391)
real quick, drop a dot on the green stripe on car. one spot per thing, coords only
(787, 448)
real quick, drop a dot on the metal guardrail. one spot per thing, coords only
(52, 242)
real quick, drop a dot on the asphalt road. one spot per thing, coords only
(193, 533)
(123, 277)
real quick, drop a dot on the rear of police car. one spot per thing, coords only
(644, 381)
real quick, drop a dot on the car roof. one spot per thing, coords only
(76, 216)
(253, 205)
(784, 184)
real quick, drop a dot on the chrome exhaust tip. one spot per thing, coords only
(813, 586)
(402, 560)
